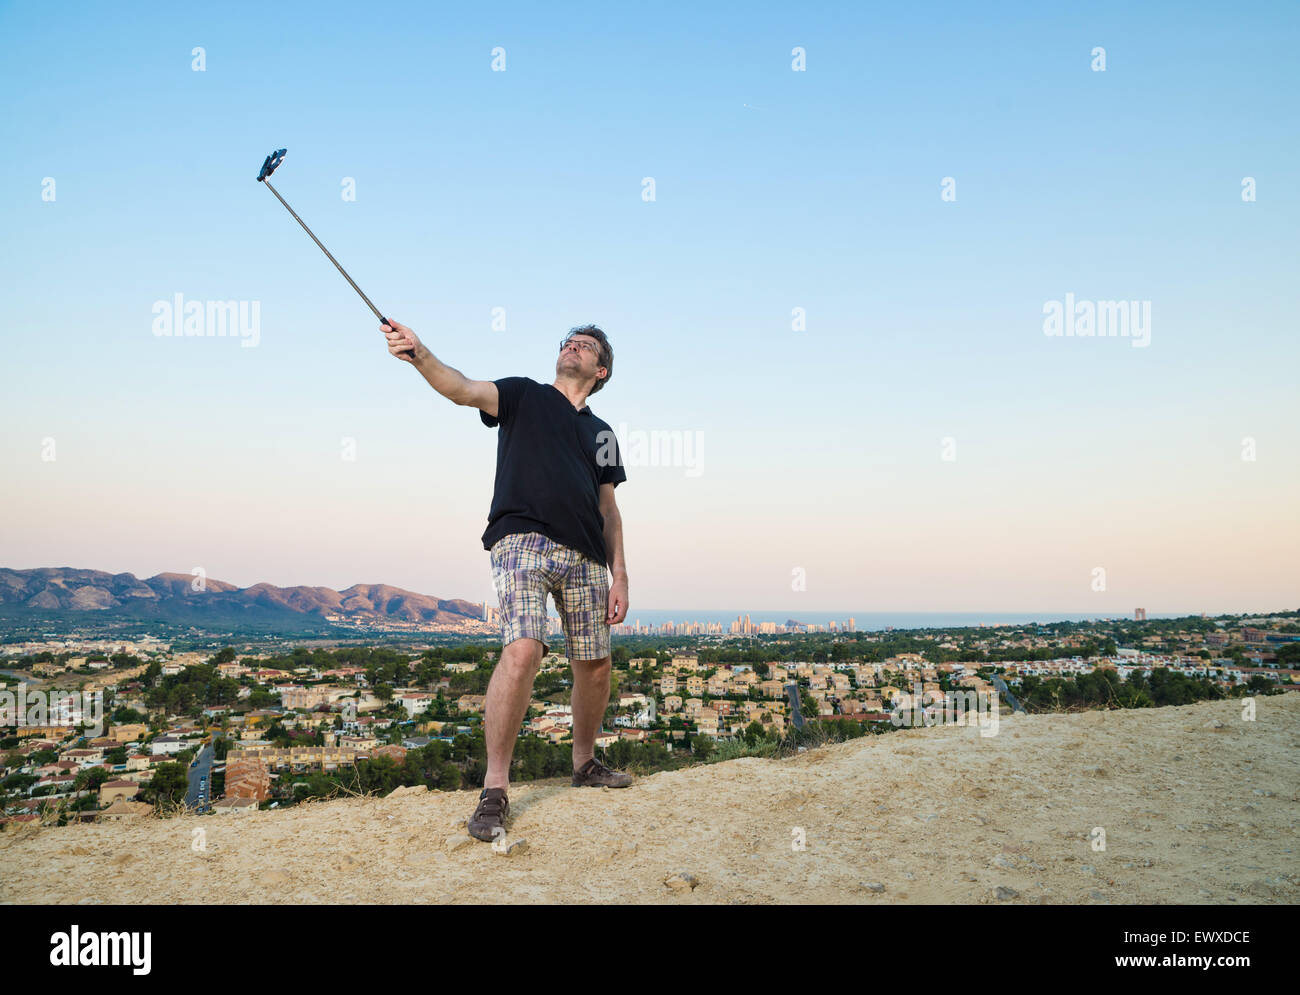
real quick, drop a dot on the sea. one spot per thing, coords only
(870, 621)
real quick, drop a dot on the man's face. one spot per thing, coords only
(579, 356)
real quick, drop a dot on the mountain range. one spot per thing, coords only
(55, 590)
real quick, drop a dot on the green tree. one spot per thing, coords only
(1258, 684)
(90, 780)
(379, 774)
(702, 746)
(170, 782)
(261, 698)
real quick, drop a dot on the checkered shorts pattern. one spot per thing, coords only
(526, 566)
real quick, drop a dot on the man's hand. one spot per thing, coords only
(616, 610)
(402, 342)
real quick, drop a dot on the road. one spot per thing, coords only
(199, 794)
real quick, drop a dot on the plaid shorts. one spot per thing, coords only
(526, 566)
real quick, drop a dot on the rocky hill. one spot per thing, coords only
(1198, 806)
(173, 596)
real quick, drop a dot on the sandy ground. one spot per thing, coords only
(1193, 812)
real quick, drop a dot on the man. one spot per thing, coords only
(552, 528)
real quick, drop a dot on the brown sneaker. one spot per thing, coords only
(595, 774)
(489, 820)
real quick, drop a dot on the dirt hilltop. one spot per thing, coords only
(1198, 806)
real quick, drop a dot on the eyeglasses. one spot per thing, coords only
(582, 344)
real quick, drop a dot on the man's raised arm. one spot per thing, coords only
(449, 382)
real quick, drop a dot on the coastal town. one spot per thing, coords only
(95, 729)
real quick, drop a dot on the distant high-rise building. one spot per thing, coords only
(852, 626)
(1139, 615)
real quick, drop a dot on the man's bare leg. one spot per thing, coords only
(506, 704)
(590, 697)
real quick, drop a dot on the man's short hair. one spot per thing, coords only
(605, 357)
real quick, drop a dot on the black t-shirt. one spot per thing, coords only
(551, 461)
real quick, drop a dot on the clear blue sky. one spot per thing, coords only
(774, 190)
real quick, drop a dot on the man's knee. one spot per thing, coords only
(523, 655)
